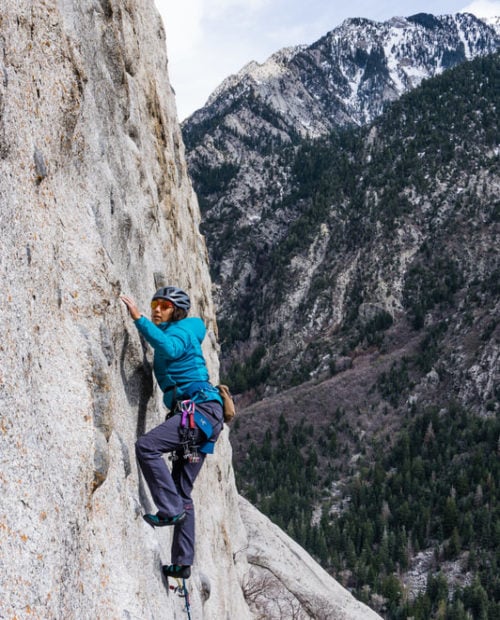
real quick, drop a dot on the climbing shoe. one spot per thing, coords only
(174, 570)
(157, 521)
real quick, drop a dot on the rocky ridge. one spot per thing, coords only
(95, 200)
(237, 143)
(348, 76)
(241, 151)
(375, 242)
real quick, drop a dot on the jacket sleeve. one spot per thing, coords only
(172, 345)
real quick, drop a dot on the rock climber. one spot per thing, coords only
(192, 425)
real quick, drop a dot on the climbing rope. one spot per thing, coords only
(181, 590)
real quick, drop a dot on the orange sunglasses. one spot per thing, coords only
(164, 304)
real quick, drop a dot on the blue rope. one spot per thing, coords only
(186, 598)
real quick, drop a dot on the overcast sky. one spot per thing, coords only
(208, 40)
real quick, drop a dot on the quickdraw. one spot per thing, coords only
(187, 432)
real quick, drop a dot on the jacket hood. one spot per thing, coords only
(192, 324)
(195, 325)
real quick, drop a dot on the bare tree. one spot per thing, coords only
(269, 599)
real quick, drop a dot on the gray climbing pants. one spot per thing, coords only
(171, 492)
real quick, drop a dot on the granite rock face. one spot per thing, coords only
(95, 201)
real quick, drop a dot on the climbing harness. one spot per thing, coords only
(181, 590)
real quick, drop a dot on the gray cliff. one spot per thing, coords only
(94, 201)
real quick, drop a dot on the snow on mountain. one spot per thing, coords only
(346, 78)
(350, 74)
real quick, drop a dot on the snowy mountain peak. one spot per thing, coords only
(494, 22)
(273, 67)
(349, 75)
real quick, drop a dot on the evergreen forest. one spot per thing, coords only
(434, 492)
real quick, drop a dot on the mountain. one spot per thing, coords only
(95, 201)
(242, 156)
(346, 77)
(241, 145)
(358, 293)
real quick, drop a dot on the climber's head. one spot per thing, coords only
(169, 303)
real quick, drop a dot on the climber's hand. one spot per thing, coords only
(131, 306)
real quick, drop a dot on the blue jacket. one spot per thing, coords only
(178, 359)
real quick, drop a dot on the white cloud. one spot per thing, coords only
(220, 6)
(206, 41)
(183, 25)
(483, 8)
(189, 24)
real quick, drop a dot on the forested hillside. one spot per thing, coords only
(396, 221)
(389, 443)
(254, 190)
